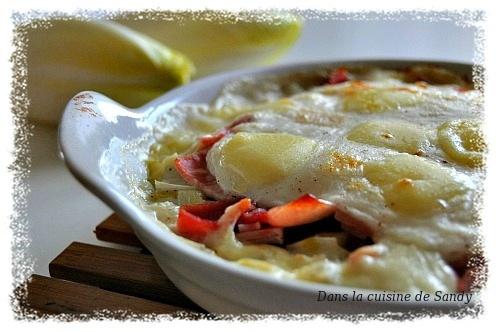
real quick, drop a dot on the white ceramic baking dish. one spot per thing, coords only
(92, 124)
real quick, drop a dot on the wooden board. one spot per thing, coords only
(118, 270)
(115, 230)
(87, 278)
(55, 296)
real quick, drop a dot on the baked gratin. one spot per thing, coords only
(362, 177)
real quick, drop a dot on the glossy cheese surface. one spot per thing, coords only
(404, 158)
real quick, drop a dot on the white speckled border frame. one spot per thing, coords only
(22, 264)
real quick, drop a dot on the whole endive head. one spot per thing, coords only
(69, 56)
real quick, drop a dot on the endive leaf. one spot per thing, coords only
(222, 41)
(71, 56)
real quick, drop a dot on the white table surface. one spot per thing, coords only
(61, 211)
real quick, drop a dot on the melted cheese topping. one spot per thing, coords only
(403, 158)
(250, 160)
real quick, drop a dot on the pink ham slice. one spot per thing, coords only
(249, 227)
(262, 236)
(193, 168)
(353, 225)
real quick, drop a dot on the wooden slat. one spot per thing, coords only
(115, 230)
(56, 296)
(119, 271)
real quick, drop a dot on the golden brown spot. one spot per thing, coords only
(340, 161)
(355, 87)
(405, 182)
(419, 153)
(387, 135)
